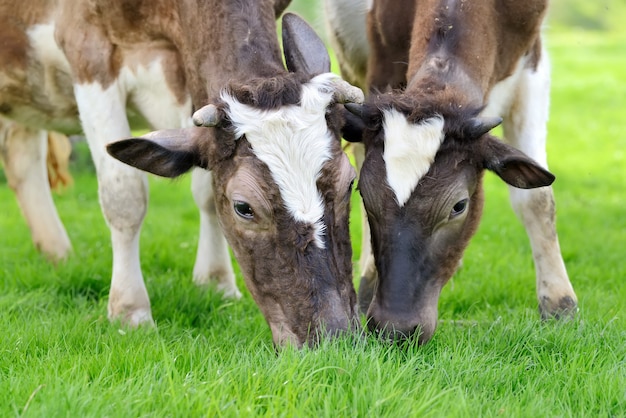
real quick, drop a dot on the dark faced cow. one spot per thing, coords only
(441, 75)
(270, 136)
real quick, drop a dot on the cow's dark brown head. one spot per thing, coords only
(282, 186)
(421, 184)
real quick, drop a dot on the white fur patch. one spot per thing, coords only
(294, 142)
(503, 93)
(347, 21)
(527, 92)
(46, 49)
(409, 151)
(147, 88)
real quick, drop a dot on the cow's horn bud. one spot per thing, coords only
(206, 116)
(355, 108)
(477, 127)
(347, 93)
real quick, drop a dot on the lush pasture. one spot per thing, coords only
(491, 355)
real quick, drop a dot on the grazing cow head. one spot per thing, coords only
(281, 183)
(421, 184)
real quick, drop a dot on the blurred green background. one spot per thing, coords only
(593, 15)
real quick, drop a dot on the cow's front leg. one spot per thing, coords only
(212, 259)
(367, 266)
(368, 284)
(525, 128)
(23, 153)
(123, 193)
(536, 209)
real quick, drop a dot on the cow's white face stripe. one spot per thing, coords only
(294, 142)
(409, 151)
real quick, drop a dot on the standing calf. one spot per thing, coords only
(281, 182)
(441, 74)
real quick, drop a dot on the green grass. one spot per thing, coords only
(491, 355)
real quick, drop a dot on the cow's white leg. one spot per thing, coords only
(525, 128)
(23, 152)
(161, 108)
(212, 259)
(123, 192)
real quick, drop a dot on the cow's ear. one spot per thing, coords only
(280, 6)
(513, 166)
(172, 152)
(353, 124)
(304, 50)
(359, 118)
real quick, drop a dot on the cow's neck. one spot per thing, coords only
(444, 80)
(468, 47)
(239, 42)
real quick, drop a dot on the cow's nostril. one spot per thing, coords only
(399, 328)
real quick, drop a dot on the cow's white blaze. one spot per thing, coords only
(409, 151)
(294, 142)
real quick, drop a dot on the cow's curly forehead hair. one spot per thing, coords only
(417, 108)
(269, 93)
(293, 140)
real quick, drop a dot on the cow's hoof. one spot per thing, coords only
(565, 308)
(223, 281)
(229, 291)
(56, 256)
(132, 318)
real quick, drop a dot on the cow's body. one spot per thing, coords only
(106, 66)
(434, 66)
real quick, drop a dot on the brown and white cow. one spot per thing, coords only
(441, 74)
(270, 136)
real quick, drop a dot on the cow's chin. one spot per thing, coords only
(332, 321)
(283, 336)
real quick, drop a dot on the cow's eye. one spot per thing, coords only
(458, 208)
(243, 210)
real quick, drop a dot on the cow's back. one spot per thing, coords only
(49, 46)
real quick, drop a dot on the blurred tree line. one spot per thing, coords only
(598, 15)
